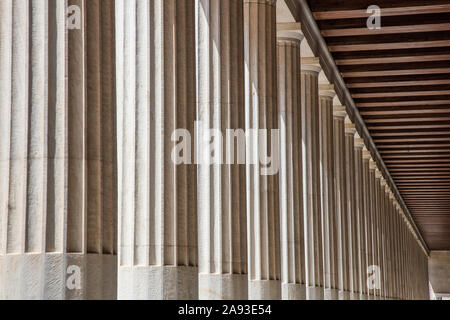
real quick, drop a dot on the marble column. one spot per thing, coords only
(222, 241)
(378, 234)
(291, 209)
(396, 253)
(157, 182)
(360, 217)
(340, 199)
(367, 221)
(383, 237)
(372, 224)
(352, 252)
(388, 243)
(57, 151)
(311, 181)
(327, 192)
(263, 223)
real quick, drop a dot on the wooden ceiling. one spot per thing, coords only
(399, 78)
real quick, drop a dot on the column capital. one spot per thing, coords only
(378, 174)
(339, 112)
(366, 154)
(359, 142)
(290, 36)
(327, 91)
(311, 64)
(372, 164)
(391, 196)
(383, 182)
(350, 127)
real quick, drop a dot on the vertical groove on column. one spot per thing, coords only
(329, 221)
(57, 135)
(108, 130)
(311, 182)
(93, 128)
(262, 190)
(76, 210)
(289, 108)
(37, 127)
(6, 29)
(221, 186)
(19, 118)
(158, 212)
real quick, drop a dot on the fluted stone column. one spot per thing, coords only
(311, 181)
(158, 205)
(341, 203)
(352, 253)
(57, 151)
(360, 217)
(221, 185)
(329, 221)
(291, 208)
(378, 231)
(397, 253)
(372, 222)
(263, 223)
(389, 278)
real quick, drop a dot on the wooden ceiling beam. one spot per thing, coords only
(414, 139)
(386, 12)
(396, 133)
(402, 103)
(389, 46)
(384, 60)
(402, 94)
(364, 31)
(400, 72)
(398, 111)
(397, 84)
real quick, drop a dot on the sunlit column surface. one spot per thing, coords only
(311, 180)
(341, 203)
(221, 181)
(57, 151)
(263, 225)
(291, 208)
(158, 197)
(327, 172)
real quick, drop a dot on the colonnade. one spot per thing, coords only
(92, 193)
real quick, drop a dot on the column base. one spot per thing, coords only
(314, 293)
(291, 291)
(222, 287)
(264, 290)
(344, 295)
(58, 276)
(158, 283)
(331, 294)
